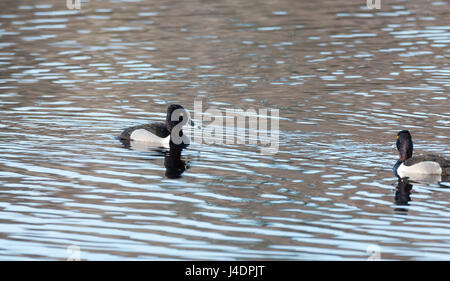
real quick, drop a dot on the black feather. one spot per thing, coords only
(158, 128)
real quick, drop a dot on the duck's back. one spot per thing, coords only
(157, 130)
(430, 159)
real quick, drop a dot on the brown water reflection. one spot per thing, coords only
(344, 78)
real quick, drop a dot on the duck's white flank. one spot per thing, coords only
(425, 167)
(142, 135)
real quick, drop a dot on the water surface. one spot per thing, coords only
(344, 78)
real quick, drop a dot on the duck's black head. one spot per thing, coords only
(175, 115)
(404, 145)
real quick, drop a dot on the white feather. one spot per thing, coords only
(142, 135)
(425, 167)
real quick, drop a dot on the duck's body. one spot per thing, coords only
(425, 164)
(409, 166)
(158, 133)
(425, 167)
(153, 133)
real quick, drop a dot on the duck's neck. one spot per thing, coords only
(180, 133)
(404, 155)
(170, 126)
(394, 169)
(403, 158)
(179, 146)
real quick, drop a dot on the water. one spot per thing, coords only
(344, 78)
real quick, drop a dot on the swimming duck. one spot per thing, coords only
(159, 133)
(408, 166)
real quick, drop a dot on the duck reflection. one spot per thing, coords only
(403, 193)
(173, 161)
(405, 185)
(175, 166)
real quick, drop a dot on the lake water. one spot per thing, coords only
(344, 78)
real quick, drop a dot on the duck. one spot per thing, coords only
(160, 133)
(418, 166)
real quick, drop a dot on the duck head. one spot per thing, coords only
(404, 145)
(175, 115)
